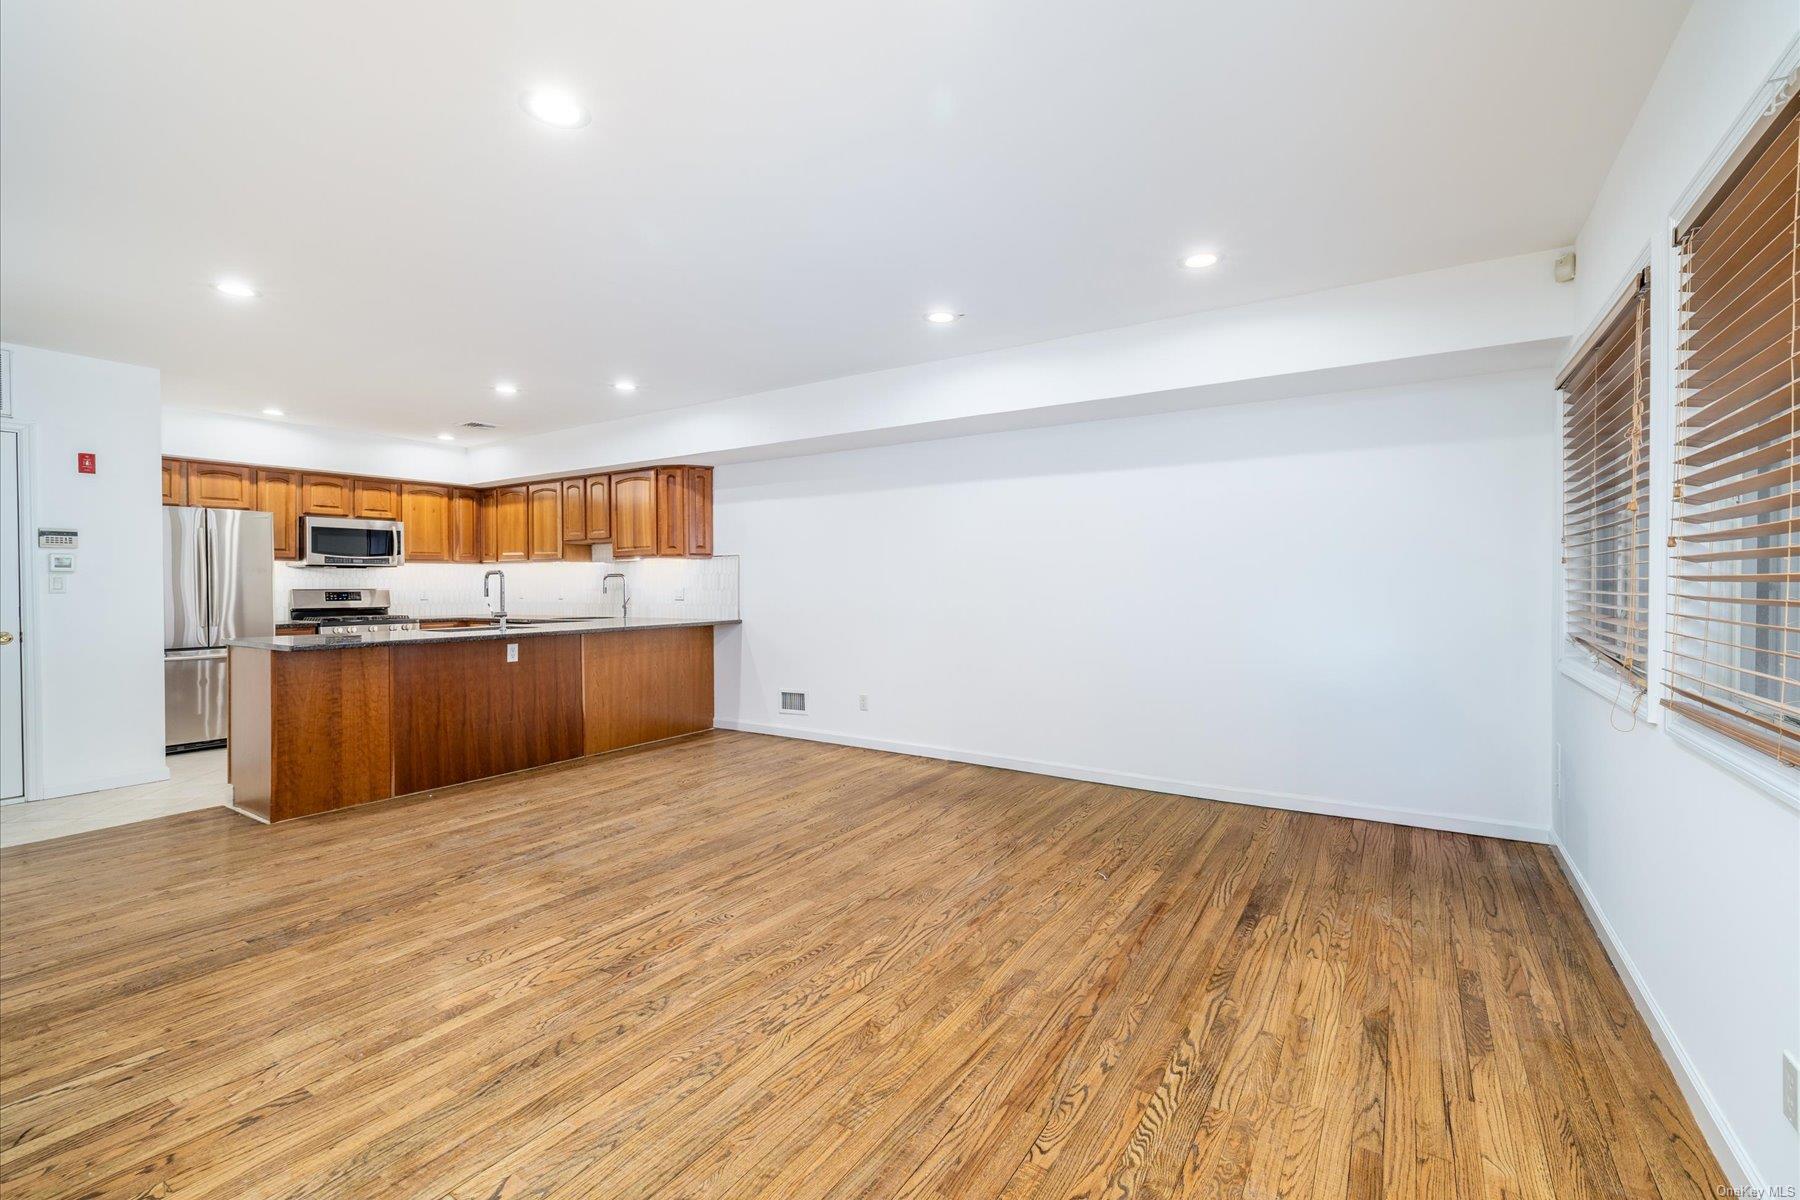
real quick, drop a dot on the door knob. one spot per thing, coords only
(5, 637)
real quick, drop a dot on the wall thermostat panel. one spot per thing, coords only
(56, 539)
(62, 562)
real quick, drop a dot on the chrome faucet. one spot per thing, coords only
(487, 582)
(624, 593)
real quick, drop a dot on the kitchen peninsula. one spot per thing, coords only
(324, 722)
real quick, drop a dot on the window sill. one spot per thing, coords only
(1778, 782)
(1608, 686)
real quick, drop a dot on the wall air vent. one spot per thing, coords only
(479, 425)
(793, 702)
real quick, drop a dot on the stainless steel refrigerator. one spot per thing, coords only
(218, 584)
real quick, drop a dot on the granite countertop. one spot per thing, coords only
(409, 637)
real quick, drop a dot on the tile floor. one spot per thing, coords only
(196, 780)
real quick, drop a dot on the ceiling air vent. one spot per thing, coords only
(479, 425)
(793, 702)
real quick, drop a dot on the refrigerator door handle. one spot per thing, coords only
(204, 577)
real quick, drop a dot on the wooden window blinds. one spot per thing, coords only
(1606, 488)
(1734, 632)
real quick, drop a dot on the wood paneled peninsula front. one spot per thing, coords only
(326, 722)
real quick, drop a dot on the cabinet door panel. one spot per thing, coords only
(490, 526)
(545, 536)
(425, 511)
(221, 485)
(574, 510)
(510, 524)
(599, 508)
(465, 525)
(278, 494)
(633, 513)
(174, 481)
(671, 510)
(378, 499)
(698, 482)
(325, 496)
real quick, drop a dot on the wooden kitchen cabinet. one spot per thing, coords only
(425, 510)
(598, 505)
(489, 525)
(221, 485)
(465, 526)
(278, 494)
(512, 543)
(697, 482)
(574, 510)
(671, 510)
(633, 513)
(174, 481)
(378, 499)
(545, 528)
(326, 496)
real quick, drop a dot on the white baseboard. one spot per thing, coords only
(1449, 822)
(1707, 1114)
(82, 787)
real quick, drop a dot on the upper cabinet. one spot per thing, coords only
(697, 481)
(633, 513)
(326, 496)
(278, 494)
(671, 510)
(662, 511)
(221, 485)
(598, 492)
(425, 510)
(174, 481)
(465, 526)
(546, 521)
(510, 524)
(378, 499)
(643, 513)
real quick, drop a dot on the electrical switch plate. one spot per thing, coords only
(512, 652)
(58, 583)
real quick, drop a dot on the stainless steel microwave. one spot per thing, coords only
(352, 542)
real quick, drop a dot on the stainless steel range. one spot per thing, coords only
(347, 610)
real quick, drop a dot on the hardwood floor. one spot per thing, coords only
(741, 966)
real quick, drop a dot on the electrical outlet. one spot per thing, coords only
(862, 702)
(1790, 1090)
(512, 652)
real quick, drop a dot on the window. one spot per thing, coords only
(1606, 488)
(1734, 632)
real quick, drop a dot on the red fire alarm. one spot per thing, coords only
(84, 462)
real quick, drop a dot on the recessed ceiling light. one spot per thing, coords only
(1200, 260)
(273, 412)
(555, 107)
(624, 385)
(506, 389)
(446, 437)
(237, 289)
(942, 316)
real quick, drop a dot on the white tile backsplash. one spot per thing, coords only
(708, 587)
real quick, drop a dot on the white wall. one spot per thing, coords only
(97, 646)
(191, 433)
(1334, 603)
(1691, 872)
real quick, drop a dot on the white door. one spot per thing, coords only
(12, 612)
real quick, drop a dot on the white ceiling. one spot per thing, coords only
(769, 194)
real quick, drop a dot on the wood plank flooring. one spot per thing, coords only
(742, 966)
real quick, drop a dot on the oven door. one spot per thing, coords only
(350, 542)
